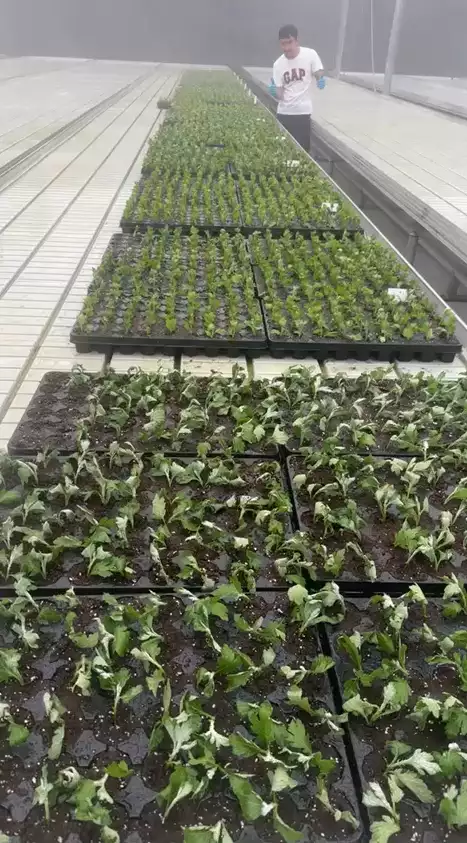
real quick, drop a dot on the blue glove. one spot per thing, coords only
(321, 83)
(272, 88)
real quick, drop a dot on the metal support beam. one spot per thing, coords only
(341, 38)
(393, 45)
(454, 288)
(412, 244)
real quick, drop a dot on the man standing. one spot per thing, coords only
(292, 76)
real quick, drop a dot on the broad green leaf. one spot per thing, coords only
(251, 804)
(374, 797)
(242, 747)
(199, 834)
(85, 641)
(351, 644)
(17, 734)
(118, 770)
(207, 834)
(295, 697)
(321, 664)
(49, 616)
(409, 780)
(9, 498)
(280, 780)
(109, 835)
(383, 830)
(297, 736)
(297, 594)
(290, 835)
(9, 666)
(154, 682)
(299, 480)
(56, 745)
(121, 640)
(268, 656)
(132, 693)
(279, 436)
(421, 760)
(158, 507)
(357, 705)
(183, 781)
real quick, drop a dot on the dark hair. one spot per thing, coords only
(288, 31)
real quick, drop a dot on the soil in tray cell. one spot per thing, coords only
(165, 285)
(119, 519)
(139, 688)
(401, 671)
(202, 200)
(366, 518)
(151, 411)
(337, 291)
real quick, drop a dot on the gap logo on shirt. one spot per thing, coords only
(294, 75)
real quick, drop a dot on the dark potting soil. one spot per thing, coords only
(94, 737)
(201, 522)
(419, 822)
(58, 405)
(377, 536)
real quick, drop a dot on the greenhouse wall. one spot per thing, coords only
(234, 31)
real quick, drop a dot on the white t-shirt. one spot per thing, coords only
(294, 76)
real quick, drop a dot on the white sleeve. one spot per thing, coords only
(316, 63)
(277, 76)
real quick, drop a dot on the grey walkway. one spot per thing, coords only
(35, 106)
(440, 92)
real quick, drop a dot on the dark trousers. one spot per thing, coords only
(299, 126)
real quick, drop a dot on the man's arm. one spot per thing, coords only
(317, 68)
(275, 87)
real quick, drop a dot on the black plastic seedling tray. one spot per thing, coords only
(432, 584)
(106, 344)
(53, 414)
(71, 568)
(366, 743)
(129, 227)
(388, 352)
(94, 736)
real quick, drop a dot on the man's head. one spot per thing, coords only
(288, 39)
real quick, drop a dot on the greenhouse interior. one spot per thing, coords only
(233, 453)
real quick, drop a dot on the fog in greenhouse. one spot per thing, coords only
(235, 31)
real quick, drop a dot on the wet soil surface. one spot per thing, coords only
(94, 737)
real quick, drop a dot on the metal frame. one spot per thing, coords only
(393, 45)
(268, 102)
(341, 38)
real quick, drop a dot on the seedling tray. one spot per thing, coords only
(185, 293)
(173, 499)
(106, 344)
(389, 352)
(99, 733)
(59, 405)
(369, 742)
(276, 232)
(377, 536)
